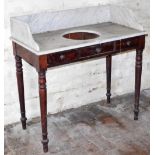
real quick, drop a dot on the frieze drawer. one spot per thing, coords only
(62, 57)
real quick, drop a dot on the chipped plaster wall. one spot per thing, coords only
(74, 85)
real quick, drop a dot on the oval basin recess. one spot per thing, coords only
(80, 35)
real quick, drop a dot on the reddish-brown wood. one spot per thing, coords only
(128, 44)
(138, 72)
(108, 77)
(42, 62)
(19, 74)
(43, 107)
(37, 61)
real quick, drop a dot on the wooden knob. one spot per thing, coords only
(62, 57)
(98, 50)
(128, 43)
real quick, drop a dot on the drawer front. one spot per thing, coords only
(108, 47)
(96, 50)
(128, 44)
(62, 57)
(90, 51)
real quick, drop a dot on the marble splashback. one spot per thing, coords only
(20, 32)
(124, 16)
(50, 21)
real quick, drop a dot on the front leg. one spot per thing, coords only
(138, 72)
(20, 83)
(43, 108)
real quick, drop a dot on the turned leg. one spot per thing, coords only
(138, 72)
(108, 76)
(19, 74)
(43, 108)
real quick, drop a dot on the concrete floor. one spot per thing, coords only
(96, 129)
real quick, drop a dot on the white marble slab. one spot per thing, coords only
(54, 41)
(42, 33)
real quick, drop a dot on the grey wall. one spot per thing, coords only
(74, 85)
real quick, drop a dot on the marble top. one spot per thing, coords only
(42, 33)
(50, 42)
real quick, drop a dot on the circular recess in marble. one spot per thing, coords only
(81, 35)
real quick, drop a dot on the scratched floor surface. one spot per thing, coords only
(96, 129)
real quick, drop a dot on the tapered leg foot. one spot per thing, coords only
(136, 112)
(43, 108)
(45, 145)
(138, 72)
(23, 120)
(20, 83)
(108, 97)
(108, 77)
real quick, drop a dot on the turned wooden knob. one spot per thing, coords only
(128, 43)
(98, 50)
(62, 57)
